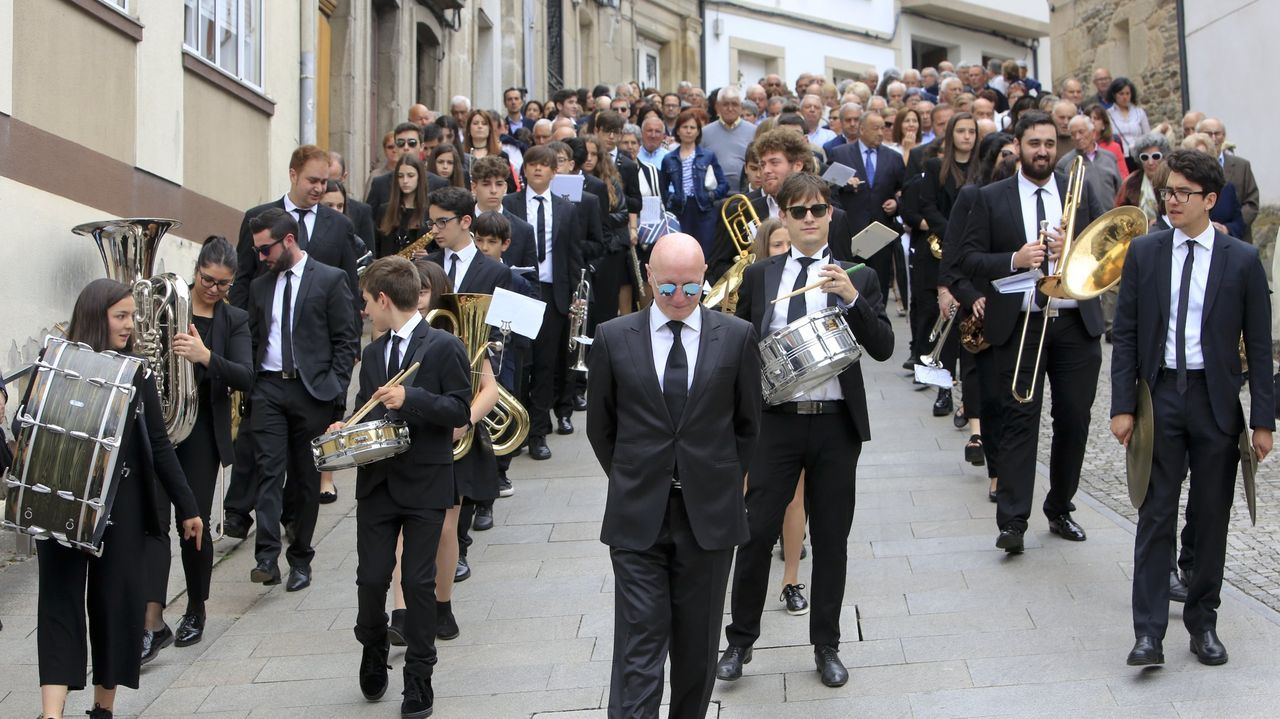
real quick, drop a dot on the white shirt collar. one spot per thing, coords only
(1027, 188)
(405, 333)
(796, 254)
(292, 208)
(544, 195)
(297, 266)
(464, 255)
(1204, 239)
(658, 320)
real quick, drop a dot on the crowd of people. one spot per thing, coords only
(468, 201)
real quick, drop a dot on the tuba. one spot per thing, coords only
(741, 221)
(508, 423)
(128, 248)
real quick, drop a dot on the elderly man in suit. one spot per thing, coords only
(672, 415)
(1186, 297)
(871, 195)
(1237, 170)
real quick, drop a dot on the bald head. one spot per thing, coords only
(677, 259)
(1190, 120)
(420, 115)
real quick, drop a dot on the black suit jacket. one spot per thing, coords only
(483, 276)
(523, 251)
(325, 337)
(230, 368)
(863, 205)
(630, 172)
(865, 316)
(1236, 301)
(994, 233)
(965, 289)
(639, 446)
(724, 254)
(361, 216)
(331, 242)
(437, 398)
(380, 190)
(591, 211)
(567, 240)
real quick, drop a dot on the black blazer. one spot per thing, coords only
(331, 242)
(1236, 301)
(230, 368)
(865, 316)
(605, 217)
(567, 240)
(483, 276)
(965, 289)
(863, 204)
(325, 337)
(437, 398)
(630, 172)
(639, 446)
(724, 254)
(523, 251)
(380, 189)
(361, 216)
(994, 233)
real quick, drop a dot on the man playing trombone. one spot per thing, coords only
(1034, 335)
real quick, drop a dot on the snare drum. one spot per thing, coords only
(74, 417)
(359, 444)
(805, 354)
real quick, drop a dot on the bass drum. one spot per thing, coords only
(805, 354)
(72, 422)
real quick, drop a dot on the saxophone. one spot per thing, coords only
(418, 245)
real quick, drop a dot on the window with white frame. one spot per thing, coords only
(227, 34)
(121, 5)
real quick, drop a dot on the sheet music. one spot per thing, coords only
(524, 313)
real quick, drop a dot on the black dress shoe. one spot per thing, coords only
(373, 672)
(1064, 526)
(236, 526)
(579, 403)
(829, 666)
(463, 571)
(446, 624)
(942, 406)
(329, 497)
(98, 712)
(418, 697)
(153, 642)
(1177, 590)
(505, 489)
(483, 520)
(395, 630)
(1207, 648)
(267, 573)
(729, 668)
(538, 448)
(1010, 540)
(973, 451)
(958, 419)
(190, 630)
(910, 364)
(564, 425)
(1146, 652)
(299, 578)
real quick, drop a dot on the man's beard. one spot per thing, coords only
(1031, 171)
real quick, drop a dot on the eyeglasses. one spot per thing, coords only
(667, 289)
(1151, 156)
(798, 212)
(1182, 196)
(428, 223)
(210, 282)
(401, 142)
(264, 250)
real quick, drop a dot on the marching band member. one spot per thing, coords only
(409, 492)
(821, 434)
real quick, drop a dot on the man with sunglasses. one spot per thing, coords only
(820, 433)
(1186, 297)
(408, 138)
(672, 415)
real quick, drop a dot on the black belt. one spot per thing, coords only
(278, 375)
(1057, 312)
(1171, 373)
(808, 407)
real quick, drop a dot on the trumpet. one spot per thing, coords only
(578, 322)
(741, 221)
(938, 335)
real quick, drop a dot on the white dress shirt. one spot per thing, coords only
(814, 301)
(1030, 230)
(545, 272)
(465, 256)
(1195, 298)
(310, 220)
(662, 339)
(775, 211)
(405, 333)
(273, 357)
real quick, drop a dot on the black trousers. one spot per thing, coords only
(826, 448)
(551, 386)
(982, 398)
(668, 598)
(1185, 435)
(379, 522)
(198, 455)
(1071, 361)
(285, 420)
(242, 487)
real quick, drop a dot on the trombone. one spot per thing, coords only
(741, 220)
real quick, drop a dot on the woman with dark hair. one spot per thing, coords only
(221, 352)
(1147, 155)
(906, 131)
(400, 218)
(692, 181)
(482, 140)
(115, 581)
(532, 112)
(1128, 120)
(447, 162)
(1106, 138)
(612, 272)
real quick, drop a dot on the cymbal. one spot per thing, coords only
(1249, 467)
(1141, 444)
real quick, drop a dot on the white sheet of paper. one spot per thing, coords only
(1018, 284)
(935, 376)
(872, 240)
(524, 313)
(568, 187)
(651, 209)
(839, 173)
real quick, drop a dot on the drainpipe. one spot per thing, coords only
(307, 19)
(1182, 56)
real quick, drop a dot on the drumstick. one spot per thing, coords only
(816, 285)
(404, 375)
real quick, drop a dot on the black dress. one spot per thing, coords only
(400, 237)
(198, 455)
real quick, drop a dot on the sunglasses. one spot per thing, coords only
(402, 142)
(1151, 156)
(667, 289)
(798, 212)
(210, 282)
(264, 250)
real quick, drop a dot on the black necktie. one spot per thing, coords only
(453, 270)
(797, 307)
(542, 228)
(675, 380)
(304, 237)
(286, 329)
(1184, 290)
(393, 359)
(1041, 298)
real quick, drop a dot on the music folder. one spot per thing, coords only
(872, 240)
